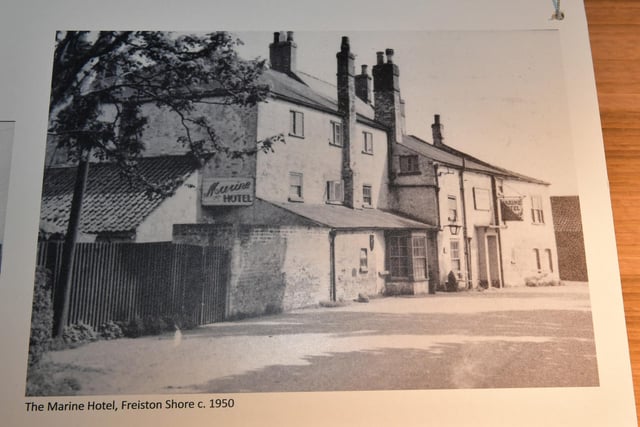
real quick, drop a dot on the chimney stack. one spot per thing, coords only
(436, 131)
(363, 86)
(282, 52)
(386, 89)
(347, 109)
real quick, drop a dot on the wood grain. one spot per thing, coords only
(614, 30)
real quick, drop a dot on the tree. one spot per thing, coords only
(101, 81)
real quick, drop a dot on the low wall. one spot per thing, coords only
(273, 268)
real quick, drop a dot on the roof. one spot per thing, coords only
(342, 217)
(305, 89)
(455, 158)
(566, 213)
(111, 202)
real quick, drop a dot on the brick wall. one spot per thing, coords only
(414, 194)
(567, 223)
(272, 268)
(572, 262)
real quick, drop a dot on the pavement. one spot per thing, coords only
(517, 337)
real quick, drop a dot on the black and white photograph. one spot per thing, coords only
(308, 211)
(6, 143)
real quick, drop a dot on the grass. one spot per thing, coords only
(43, 381)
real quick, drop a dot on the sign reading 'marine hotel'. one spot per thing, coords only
(227, 191)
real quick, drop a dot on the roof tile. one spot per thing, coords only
(112, 203)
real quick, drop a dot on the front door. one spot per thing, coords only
(493, 261)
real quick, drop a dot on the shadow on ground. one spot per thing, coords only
(449, 366)
(547, 323)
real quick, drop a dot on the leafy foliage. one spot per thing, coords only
(79, 333)
(102, 80)
(110, 331)
(41, 317)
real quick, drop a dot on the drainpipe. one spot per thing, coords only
(497, 215)
(438, 221)
(465, 234)
(437, 233)
(332, 264)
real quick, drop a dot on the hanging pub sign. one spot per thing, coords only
(511, 209)
(227, 191)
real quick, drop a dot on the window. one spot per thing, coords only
(537, 214)
(399, 256)
(536, 252)
(452, 208)
(419, 257)
(295, 187)
(481, 199)
(296, 127)
(407, 255)
(368, 142)
(336, 134)
(409, 164)
(366, 195)
(335, 193)
(549, 259)
(364, 260)
(455, 255)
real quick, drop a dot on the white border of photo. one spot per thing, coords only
(27, 30)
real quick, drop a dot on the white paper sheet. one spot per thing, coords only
(514, 34)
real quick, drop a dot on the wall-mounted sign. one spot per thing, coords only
(227, 191)
(511, 209)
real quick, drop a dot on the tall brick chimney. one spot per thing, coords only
(282, 52)
(389, 107)
(347, 109)
(436, 131)
(363, 86)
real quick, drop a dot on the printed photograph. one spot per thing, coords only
(308, 211)
(6, 143)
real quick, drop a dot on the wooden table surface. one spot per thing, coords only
(614, 30)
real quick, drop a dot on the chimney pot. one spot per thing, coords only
(344, 46)
(389, 53)
(436, 119)
(380, 57)
(276, 37)
(289, 36)
(364, 69)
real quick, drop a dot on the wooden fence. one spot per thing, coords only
(121, 281)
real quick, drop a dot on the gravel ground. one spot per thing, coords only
(520, 337)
